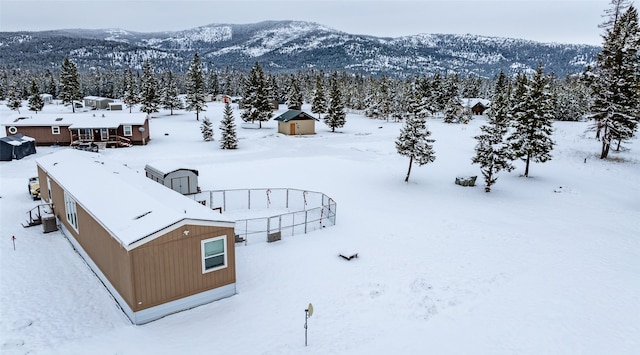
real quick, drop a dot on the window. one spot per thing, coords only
(128, 132)
(214, 256)
(72, 213)
(55, 130)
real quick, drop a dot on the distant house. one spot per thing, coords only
(295, 122)
(16, 146)
(476, 105)
(105, 129)
(184, 181)
(223, 98)
(155, 250)
(96, 102)
(115, 106)
(47, 98)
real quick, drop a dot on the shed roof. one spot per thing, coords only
(17, 139)
(294, 115)
(138, 211)
(166, 167)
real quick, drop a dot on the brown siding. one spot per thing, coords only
(104, 251)
(170, 267)
(43, 135)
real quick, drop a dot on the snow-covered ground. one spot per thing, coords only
(548, 264)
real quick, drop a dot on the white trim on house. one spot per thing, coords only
(55, 129)
(128, 130)
(223, 253)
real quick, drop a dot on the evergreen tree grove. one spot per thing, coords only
(616, 88)
(531, 139)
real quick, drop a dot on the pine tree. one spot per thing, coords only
(319, 104)
(256, 100)
(214, 86)
(228, 138)
(413, 142)
(531, 139)
(169, 98)
(69, 83)
(616, 86)
(35, 102)
(149, 95)
(452, 107)
(295, 96)
(195, 87)
(14, 101)
(130, 97)
(207, 129)
(336, 116)
(492, 151)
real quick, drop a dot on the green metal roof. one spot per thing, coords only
(294, 115)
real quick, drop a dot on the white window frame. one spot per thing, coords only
(55, 129)
(127, 130)
(224, 253)
(70, 207)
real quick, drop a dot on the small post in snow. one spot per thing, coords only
(307, 314)
(13, 239)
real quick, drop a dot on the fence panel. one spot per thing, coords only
(311, 210)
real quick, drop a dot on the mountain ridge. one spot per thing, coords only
(290, 46)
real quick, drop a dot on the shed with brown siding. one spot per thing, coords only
(157, 251)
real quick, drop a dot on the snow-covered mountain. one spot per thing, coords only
(289, 46)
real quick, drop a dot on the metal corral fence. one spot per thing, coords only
(287, 211)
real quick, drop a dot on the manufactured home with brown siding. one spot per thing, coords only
(157, 251)
(109, 129)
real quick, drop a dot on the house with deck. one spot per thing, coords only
(107, 130)
(156, 251)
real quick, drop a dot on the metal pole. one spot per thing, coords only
(306, 316)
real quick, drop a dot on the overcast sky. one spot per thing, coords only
(562, 21)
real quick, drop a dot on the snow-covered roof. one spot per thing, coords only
(80, 120)
(136, 210)
(17, 139)
(96, 98)
(168, 166)
(472, 101)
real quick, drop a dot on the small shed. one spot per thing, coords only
(97, 102)
(47, 99)
(16, 146)
(114, 106)
(182, 180)
(296, 122)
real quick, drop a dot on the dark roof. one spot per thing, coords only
(294, 115)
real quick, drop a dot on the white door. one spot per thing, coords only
(180, 184)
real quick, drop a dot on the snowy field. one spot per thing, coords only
(548, 264)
